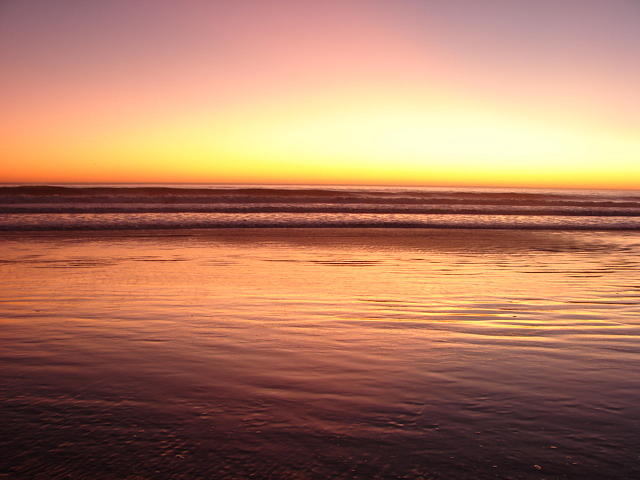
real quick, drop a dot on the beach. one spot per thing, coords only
(351, 353)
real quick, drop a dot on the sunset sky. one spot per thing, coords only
(422, 92)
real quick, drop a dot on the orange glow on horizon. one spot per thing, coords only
(358, 143)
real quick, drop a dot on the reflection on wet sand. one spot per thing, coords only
(332, 353)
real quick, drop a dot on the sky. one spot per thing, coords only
(406, 92)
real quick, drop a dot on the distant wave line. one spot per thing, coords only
(582, 211)
(56, 196)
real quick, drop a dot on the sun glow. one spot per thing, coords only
(366, 142)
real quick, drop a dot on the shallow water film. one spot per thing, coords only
(322, 353)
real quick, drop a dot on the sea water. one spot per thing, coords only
(215, 206)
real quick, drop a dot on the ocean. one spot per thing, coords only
(314, 332)
(216, 206)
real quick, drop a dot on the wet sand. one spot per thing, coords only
(322, 353)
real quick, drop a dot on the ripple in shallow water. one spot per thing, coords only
(412, 354)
